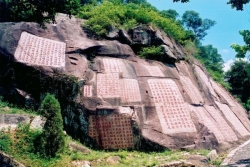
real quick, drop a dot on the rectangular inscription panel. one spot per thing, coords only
(108, 85)
(87, 92)
(112, 65)
(175, 119)
(233, 119)
(240, 112)
(112, 131)
(205, 118)
(223, 125)
(154, 71)
(130, 90)
(172, 112)
(40, 51)
(223, 93)
(206, 80)
(165, 91)
(191, 90)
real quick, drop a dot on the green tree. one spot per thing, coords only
(237, 4)
(192, 21)
(40, 11)
(212, 60)
(135, 1)
(170, 13)
(120, 15)
(52, 137)
(239, 79)
(242, 50)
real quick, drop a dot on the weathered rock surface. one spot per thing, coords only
(177, 164)
(113, 160)
(111, 98)
(8, 161)
(13, 120)
(77, 147)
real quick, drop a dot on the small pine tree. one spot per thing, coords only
(52, 137)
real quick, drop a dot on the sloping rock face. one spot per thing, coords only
(112, 99)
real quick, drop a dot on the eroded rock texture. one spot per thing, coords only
(112, 99)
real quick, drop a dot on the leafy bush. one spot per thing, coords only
(110, 15)
(152, 52)
(5, 141)
(25, 139)
(2, 102)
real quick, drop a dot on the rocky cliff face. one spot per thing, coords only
(111, 98)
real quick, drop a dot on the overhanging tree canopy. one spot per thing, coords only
(39, 11)
(237, 4)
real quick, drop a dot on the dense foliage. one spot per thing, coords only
(152, 52)
(40, 11)
(242, 50)
(239, 79)
(116, 15)
(192, 21)
(237, 4)
(52, 138)
(209, 57)
(212, 60)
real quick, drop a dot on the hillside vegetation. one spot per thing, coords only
(101, 18)
(111, 15)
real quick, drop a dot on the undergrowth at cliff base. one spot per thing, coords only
(7, 108)
(20, 144)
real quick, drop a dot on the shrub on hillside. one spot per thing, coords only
(153, 53)
(108, 15)
(52, 138)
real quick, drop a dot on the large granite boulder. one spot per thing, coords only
(112, 99)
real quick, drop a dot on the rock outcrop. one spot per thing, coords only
(112, 99)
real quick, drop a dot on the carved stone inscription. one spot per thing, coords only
(130, 90)
(175, 119)
(40, 51)
(205, 118)
(113, 131)
(165, 91)
(206, 80)
(154, 71)
(191, 90)
(87, 92)
(112, 65)
(172, 112)
(108, 85)
(240, 112)
(223, 125)
(233, 119)
(223, 93)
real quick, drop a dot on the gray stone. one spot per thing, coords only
(38, 122)
(113, 34)
(161, 38)
(141, 35)
(77, 147)
(15, 119)
(212, 155)
(177, 164)
(7, 160)
(124, 37)
(113, 160)
(198, 160)
(168, 52)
